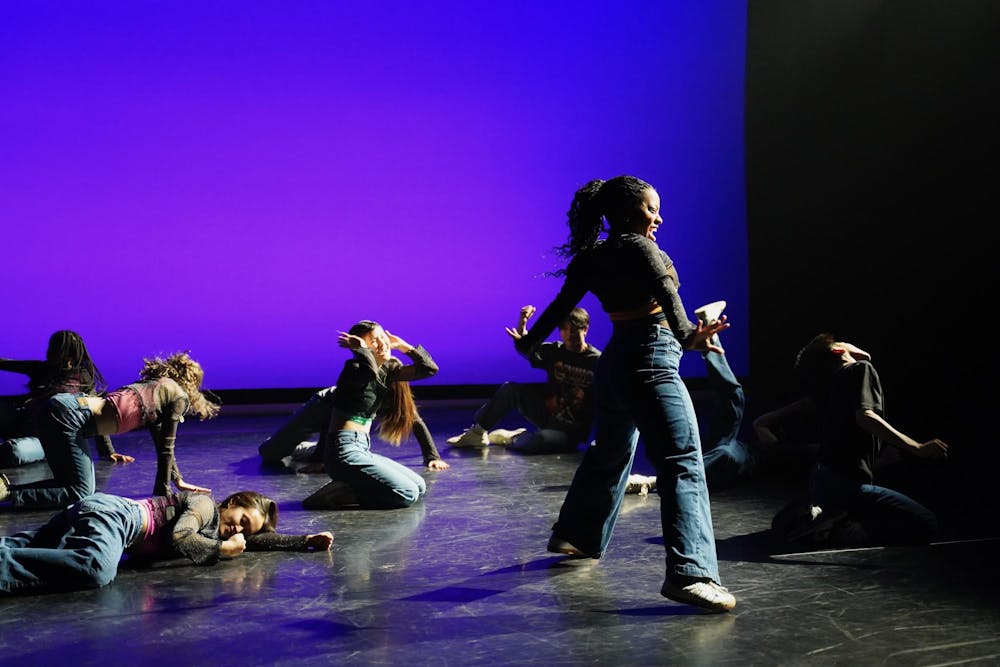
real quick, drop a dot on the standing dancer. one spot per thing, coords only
(638, 387)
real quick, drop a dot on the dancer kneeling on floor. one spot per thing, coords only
(562, 409)
(168, 389)
(844, 506)
(67, 368)
(81, 546)
(372, 382)
(291, 442)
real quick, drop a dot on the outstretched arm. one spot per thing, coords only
(872, 423)
(278, 542)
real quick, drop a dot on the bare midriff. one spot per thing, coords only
(105, 417)
(341, 423)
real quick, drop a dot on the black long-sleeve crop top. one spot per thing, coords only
(362, 385)
(626, 272)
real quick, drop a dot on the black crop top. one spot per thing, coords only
(362, 385)
(626, 272)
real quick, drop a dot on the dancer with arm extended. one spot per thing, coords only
(81, 546)
(67, 368)
(168, 390)
(313, 418)
(845, 505)
(638, 387)
(562, 409)
(372, 382)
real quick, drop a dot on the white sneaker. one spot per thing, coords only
(640, 485)
(474, 437)
(705, 594)
(710, 312)
(502, 436)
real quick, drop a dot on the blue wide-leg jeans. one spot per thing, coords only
(639, 390)
(79, 547)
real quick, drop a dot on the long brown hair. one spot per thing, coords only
(398, 411)
(397, 414)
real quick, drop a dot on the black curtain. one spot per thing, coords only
(872, 194)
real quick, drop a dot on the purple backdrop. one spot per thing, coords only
(243, 180)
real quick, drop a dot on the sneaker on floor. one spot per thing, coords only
(705, 594)
(502, 436)
(474, 437)
(332, 496)
(557, 545)
(640, 485)
(710, 312)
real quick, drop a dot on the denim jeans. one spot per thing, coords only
(79, 547)
(727, 459)
(20, 451)
(63, 428)
(639, 390)
(888, 517)
(529, 400)
(379, 482)
(313, 417)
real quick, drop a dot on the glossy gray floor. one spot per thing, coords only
(463, 578)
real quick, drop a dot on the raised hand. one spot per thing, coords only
(350, 341)
(522, 323)
(397, 343)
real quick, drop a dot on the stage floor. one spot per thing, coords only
(463, 578)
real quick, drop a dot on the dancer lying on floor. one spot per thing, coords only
(81, 546)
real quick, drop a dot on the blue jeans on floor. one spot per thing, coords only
(20, 451)
(63, 428)
(529, 400)
(79, 547)
(378, 481)
(313, 417)
(639, 390)
(888, 517)
(18, 444)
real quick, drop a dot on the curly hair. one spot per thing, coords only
(186, 372)
(399, 411)
(597, 202)
(252, 500)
